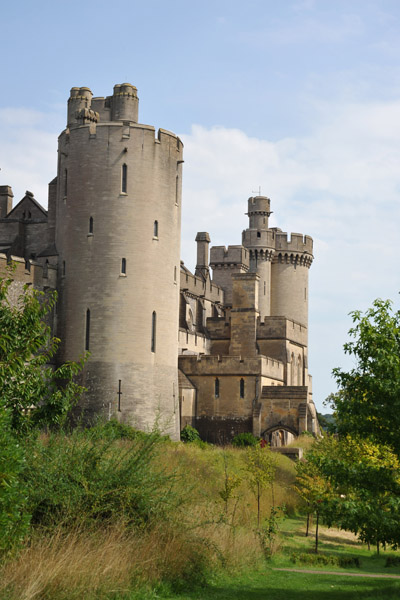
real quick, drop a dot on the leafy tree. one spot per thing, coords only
(368, 403)
(261, 468)
(32, 391)
(242, 440)
(365, 487)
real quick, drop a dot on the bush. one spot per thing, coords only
(190, 434)
(14, 515)
(392, 561)
(82, 479)
(244, 439)
(324, 559)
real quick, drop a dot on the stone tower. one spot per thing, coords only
(118, 212)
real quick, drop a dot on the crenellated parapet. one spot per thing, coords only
(298, 249)
(222, 257)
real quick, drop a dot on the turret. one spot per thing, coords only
(79, 103)
(261, 244)
(125, 103)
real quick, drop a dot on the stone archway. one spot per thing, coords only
(279, 435)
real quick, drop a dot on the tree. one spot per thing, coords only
(364, 480)
(261, 467)
(368, 401)
(31, 391)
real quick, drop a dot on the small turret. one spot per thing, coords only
(125, 103)
(258, 212)
(79, 103)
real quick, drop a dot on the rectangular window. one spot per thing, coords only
(153, 331)
(124, 179)
(87, 336)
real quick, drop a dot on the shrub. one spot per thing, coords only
(242, 440)
(392, 561)
(190, 434)
(83, 479)
(324, 559)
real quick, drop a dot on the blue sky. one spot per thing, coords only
(300, 97)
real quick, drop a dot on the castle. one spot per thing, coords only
(226, 353)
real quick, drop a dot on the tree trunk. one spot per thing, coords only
(377, 547)
(258, 504)
(308, 524)
(316, 534)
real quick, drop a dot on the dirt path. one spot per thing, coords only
(378, 575)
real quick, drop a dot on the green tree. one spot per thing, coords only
(33, 392)
(368, 401)
(261, 468)
(364, 480)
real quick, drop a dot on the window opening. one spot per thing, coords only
(91, 225)
(242, 388)
(87, 336)
(155, 229)
(153, 331)
(124, 180)
(65, 182)
(119, 394)
(123, 266)
(216, 387)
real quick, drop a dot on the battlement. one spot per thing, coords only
(198, 287)
(231, 365)
(296, 242)
(222, 257)
(282, 328)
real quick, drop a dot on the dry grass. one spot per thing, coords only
(82, 564)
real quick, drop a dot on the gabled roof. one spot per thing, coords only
(30, 199)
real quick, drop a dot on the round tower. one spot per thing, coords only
(260, 242)
(289, 276)
(118, 239)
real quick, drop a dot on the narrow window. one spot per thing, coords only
(175, 274)
(177, 189)
(124, 179)
(265, 288)
(65, 182)
(155, 229)
(242, 388)
(258, 234)
(91, 225)
(305, 293)
(153, 331)
(119, 394)
(29, 215)
(216, 387)
(87, 336)
(63, 269)
(123, 266)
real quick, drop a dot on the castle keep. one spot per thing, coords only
(224, 349)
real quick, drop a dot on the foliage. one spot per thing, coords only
(261, 468)
(368, 403)
(268, 532)
(79, 479)
(231, 482)
(114, 430)
(365, 487)
(189, 434)
(242, 440)
(325, 559)
(35, 394)
(14, 517)
(327, 422)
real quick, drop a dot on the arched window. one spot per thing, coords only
(242, 388)
(299, 371)
(124, 179)
(123, 266)
(216, 387)
(155, 229)
(153, 331)
(91, 225)
(87, 334)
(258, 234)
